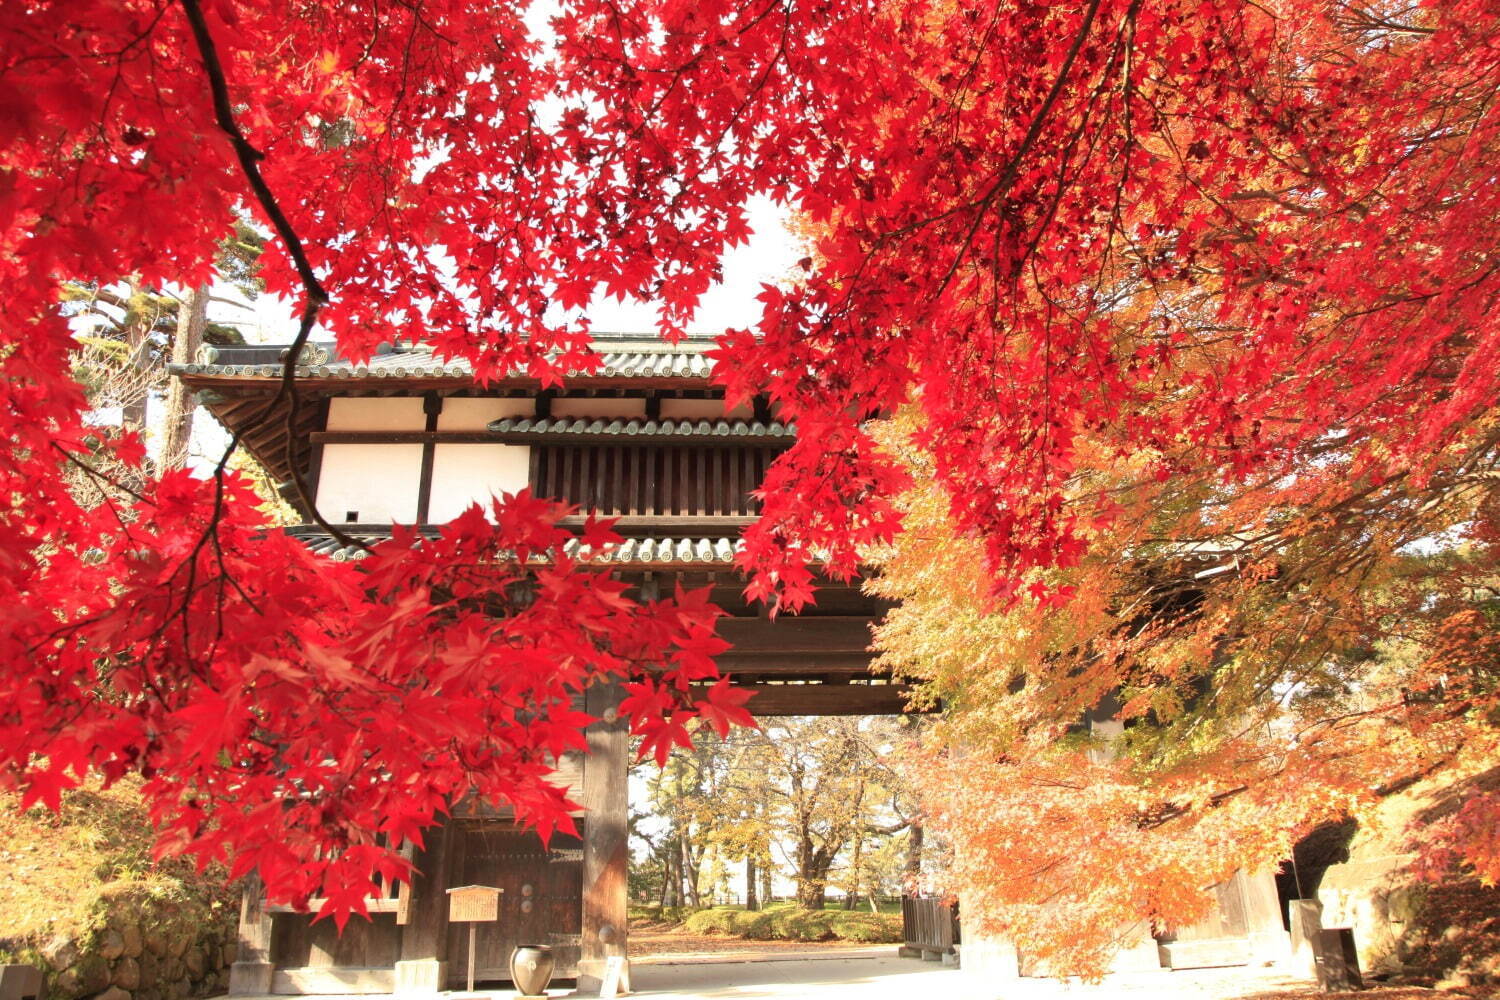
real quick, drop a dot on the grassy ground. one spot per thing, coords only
(780, 922)
(58, 872)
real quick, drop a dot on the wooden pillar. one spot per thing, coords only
(606, 852)
(422, 969)
(250, 975)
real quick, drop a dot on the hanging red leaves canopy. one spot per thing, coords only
(1026, 217)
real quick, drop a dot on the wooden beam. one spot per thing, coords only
(774, 700)
(432, 408)
(776, 663)
(797, 634)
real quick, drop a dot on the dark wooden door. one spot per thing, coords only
(542, 902)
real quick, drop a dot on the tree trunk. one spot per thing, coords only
(177, 422)
(672, 875)
(811, 894)
(851, 894)
(750, 901)
(765, 884)
(666, 878)
(913, 867)
(690, 874)
(138, 338)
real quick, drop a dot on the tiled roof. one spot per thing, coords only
(630, 552)
(639, 361)
(643, 428)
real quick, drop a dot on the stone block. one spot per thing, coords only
(1205, 954)
(1338, 961)
(591, 973)
(423, 977)
(111, 944)
(114, 993)
(127, 973)
(60, 953)
(150, 969)
(131, 935)
(1138, 952)
(1269, 942)
(1307, 925)
(250, 978)
(990, 958)
(90, 975)
(21, 982)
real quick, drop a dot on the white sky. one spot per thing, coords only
(768, 257)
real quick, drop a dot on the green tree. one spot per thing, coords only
(128, 331)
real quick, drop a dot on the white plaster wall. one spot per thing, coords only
(702, 409)
(376, 413)
(378, 482)
(591, 407)
(463, 473)
(464, 413)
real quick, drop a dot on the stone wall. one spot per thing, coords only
(1377, 898)
(142, 942)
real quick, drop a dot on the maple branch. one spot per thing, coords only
(315, 295)
(1012, 167)
(97, 474)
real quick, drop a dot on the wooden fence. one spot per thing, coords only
(929, 927)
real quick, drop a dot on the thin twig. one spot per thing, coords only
(315, 296)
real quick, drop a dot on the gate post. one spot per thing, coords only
(606, 850)
(421, 970)
(252, 971)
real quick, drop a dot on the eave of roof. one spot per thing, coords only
(646, 551)
(586, 427)
(633, 364)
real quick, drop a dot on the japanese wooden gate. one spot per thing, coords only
(407, 438)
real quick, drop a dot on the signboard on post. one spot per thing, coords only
(472, 904)
(614, 968)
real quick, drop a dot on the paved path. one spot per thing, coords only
(879, 975)
(886, 977)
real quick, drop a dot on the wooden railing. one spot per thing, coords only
(680, 480)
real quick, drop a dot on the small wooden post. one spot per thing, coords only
(472, 934)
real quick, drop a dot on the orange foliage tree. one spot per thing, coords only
(1231, 665)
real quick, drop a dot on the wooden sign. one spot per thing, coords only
(614, 968)
(473, 904)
